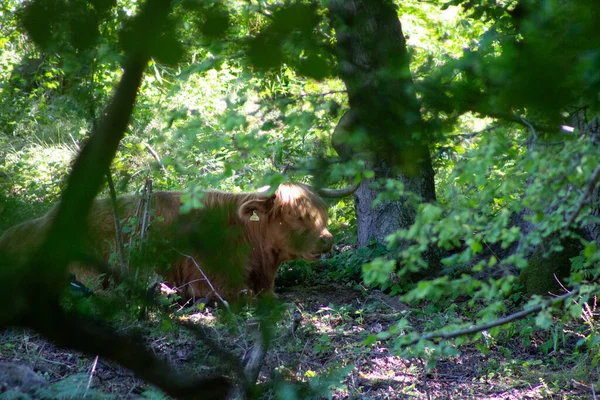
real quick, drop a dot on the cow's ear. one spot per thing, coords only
(252, 209)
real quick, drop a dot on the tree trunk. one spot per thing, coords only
(384, 109)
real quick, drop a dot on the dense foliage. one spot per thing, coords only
(238, 95)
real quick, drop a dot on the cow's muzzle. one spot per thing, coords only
(325, 241)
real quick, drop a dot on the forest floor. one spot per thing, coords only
(324, 355)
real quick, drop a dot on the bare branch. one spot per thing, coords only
(257, 356)
(502, 321)
(91, 375)
(221, 299)
(323, 94)
(459, 138)
(118, 229)
(528, 124)
(154, 155)
(146, 216)
(534, 126)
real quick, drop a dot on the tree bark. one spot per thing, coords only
(384, 110)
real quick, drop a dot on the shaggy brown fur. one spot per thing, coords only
(235, 252)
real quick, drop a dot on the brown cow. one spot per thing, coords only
(237, 241)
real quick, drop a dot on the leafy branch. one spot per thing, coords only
(585, 198)
(499, 322)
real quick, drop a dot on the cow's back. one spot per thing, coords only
(101, 233)
(20, 241)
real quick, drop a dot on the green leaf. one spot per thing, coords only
(298, 16)
(216, 22)
(84, 30)
(383, 335)
(314, 67)
(168, 49)
(378, 271)
(102, 6)
(369, 340)
(590, 249)
(575, 310)
(544, 319)
(476, 246)
(265, 53)
(37, 18)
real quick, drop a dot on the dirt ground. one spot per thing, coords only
(331, 322)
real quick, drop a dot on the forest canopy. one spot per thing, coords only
(468, 130)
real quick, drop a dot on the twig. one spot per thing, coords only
(425, 382)
(585, 196)
(146, 216)
(118, 228)
(323, 94)
(257, 356)
(521, 314)
(138, 216)
(56, 362)
(142, 217)
(184, 305)
(456, 139)
(221, 299)
(206, 335)
(35, 360)
(296, 321)
(528, 124)
(519, 120)
(189, 283)
(91, 375)
(533, 137)
(74, 142)
(154, 154)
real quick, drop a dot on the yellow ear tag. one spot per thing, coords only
(254, 217)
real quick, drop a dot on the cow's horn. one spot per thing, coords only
(337, 193)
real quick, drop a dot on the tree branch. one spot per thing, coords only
(254, 364)
(502, 321)
(533, 126)
(77, 332)
(156, 157)
(118, 229)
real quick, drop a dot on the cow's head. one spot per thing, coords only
(295, 219)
